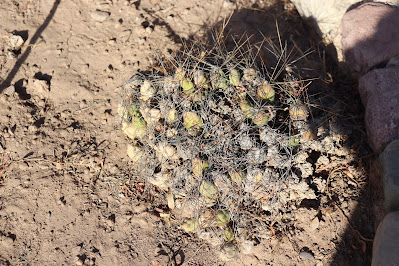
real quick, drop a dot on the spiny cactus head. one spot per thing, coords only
(266, 92)
(235, 77)
(192, 122)
(188, 86)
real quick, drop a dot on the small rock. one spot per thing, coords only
(389, 161)
(247, 247)
(370, 35)
(246, 142)
(306, 255)
(37, 87)
(379, 91)
(9, 90)
(149, 30)
(99, 15)
(142, 40)
(386, 245)
(23, 166)
(314, 224)
(6, 241)
(15, 43)
(228, 252)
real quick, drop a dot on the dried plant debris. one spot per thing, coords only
(226, 142)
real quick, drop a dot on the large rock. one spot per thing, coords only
(386, 244)
(389, 161)
(326, 15)
(379, 90)
(370, 35)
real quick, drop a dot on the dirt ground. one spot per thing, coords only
(63, 162)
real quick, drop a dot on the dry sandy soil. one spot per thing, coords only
(63, 168)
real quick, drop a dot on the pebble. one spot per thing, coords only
(149, 30)
(99, 15)
(9, 90)
(314, 224)
(306, 255)
(23, 166)
(6, 241)
(15, 43)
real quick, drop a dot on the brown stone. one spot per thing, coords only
(379, 90)
(370, 35)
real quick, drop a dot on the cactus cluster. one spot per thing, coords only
(219, 137)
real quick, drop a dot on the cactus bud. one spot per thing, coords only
(161, 179)
(236, 176)
(249, 74)
(191, 225)
(293, 141)
(172, 116)
(219, 80)
(192, 122)
(137, 128)
(179, 74)
(199, 166)
(229, 251)
(136, 154)
(166, 152)
(261, 119)
(234, 77)
(147, 91)
(170, 133)
(209, 192)
(127, 112)
(151, 116)
(266, 92)
(188, 86)
(298, 111)
(200, 79)
(247, 109)
(228, 234)
(223, 217)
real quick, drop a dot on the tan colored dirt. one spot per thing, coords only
(63, 162)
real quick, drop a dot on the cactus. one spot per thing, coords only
(200, 80)
(214, 134)
(261, 119)
(192, 122)
(249, 74)
(147, 91)
(298, 111)
(247, 109)
(234, 77)
(223, 217)
(208, 192)
(136, 129)
(191, 225)
(199, 166)
(188, 86)
(266, 92)
(135, 153)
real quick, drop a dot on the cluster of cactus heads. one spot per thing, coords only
(217, 135)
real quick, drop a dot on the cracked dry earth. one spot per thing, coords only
(63, 162)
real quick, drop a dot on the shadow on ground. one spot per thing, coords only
(25, 55)
(340, 98)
